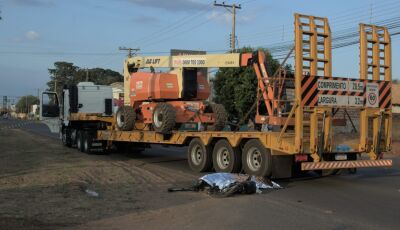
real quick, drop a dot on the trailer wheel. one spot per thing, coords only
(199, 156)
(125, 118)
(256, 159)
(221, 117)
(164, 118)
(87, 142)
(226, 158)
(79, 140)
(66, 137)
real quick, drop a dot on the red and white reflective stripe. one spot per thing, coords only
(345, 164)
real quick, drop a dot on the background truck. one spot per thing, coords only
(301, 129)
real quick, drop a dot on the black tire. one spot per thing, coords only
(221, 117)
(66, 137)
(226, 158)
(256, 159)
(164, 118)
(199, 156)
(125, 118)
(79, 139)
(87, 142)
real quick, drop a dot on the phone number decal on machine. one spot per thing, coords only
(185, 61)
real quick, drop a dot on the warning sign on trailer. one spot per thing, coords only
(333, 100)
(356, 101)
(334, 85)
(344, 92)
(372, 95)
(356, 86)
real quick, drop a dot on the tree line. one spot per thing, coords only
(66, 73)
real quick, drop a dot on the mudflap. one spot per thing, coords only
(282, 166)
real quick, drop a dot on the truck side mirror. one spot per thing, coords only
(49, 106)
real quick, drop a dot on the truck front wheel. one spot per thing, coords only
(66, 137)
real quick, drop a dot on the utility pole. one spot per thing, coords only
(87, 74)
(233, 12)
(130, 54)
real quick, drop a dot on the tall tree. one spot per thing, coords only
(62, 74)
(99, 76)
(236, 88)
(24, 104)
(66, 73)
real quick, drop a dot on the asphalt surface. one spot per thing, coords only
(369, 199)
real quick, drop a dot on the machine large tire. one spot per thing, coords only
(66, 137)
(221, 117)
(199, 156)
(226, 158)
(125, 118)
(164, 118)
(256, 159)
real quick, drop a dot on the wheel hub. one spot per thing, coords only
(197, 155)
(120, 119)
(223, 158)
(158, 118)
(254, 159)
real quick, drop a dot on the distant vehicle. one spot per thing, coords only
(5, 116)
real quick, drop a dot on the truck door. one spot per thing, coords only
(50, 111)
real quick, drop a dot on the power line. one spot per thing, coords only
(171, 27)
(346, 18)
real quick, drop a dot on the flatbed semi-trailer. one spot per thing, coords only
(303, 135)
(263, 153)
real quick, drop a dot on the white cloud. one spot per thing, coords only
(220, 17)
(31, 35)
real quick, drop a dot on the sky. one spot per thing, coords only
(36, 33)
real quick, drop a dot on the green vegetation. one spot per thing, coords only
(24, 104)
(66, 73)
(236, 88)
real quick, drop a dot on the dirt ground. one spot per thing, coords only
(43, 184)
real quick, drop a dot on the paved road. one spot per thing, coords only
(28, 125)
(369, 199)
